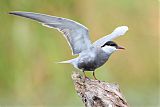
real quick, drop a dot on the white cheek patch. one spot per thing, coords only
(109, 49)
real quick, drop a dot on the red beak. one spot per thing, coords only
(120, 47)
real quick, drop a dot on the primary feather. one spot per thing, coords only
(76, 34)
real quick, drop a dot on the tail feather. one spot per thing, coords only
(72, 61)
(68, 61)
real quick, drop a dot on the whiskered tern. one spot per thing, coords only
(91, 55)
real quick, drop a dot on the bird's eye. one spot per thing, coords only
(112, 44)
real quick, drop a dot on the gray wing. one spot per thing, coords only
(116, 33)
(76, 34)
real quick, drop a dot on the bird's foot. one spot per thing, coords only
(97, 80)
(86, 77)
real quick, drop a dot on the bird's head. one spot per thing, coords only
(110, 46)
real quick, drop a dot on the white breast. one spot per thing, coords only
(109, 49)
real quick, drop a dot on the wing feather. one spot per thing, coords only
(76, 34)
(116, 33)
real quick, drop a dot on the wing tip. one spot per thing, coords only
(14, 12)
(121, 30)
(17, 13)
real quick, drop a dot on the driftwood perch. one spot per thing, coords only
(96, 93)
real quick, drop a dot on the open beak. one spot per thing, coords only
(120, 47)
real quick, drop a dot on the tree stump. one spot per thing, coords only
(95, 93)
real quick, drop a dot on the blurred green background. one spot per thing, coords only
(29, 75)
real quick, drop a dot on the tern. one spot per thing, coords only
(90, 55)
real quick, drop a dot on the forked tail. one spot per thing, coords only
(63, 62)
(72, 61)
(68, 61)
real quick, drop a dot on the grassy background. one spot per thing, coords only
(29, 76)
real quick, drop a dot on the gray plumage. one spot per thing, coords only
(91, 56)
(90, 60)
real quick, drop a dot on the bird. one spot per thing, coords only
(90, 55)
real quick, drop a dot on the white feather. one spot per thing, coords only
(116, 33)
(109, 49)
(120, 30)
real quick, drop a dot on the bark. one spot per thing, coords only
(95, 93)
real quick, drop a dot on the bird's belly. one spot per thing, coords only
(90, 63)
(87, 65)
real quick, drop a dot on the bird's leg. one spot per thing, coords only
(84, 74)
(94, 76)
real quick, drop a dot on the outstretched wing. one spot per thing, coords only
(76, 34)
(116, 33)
